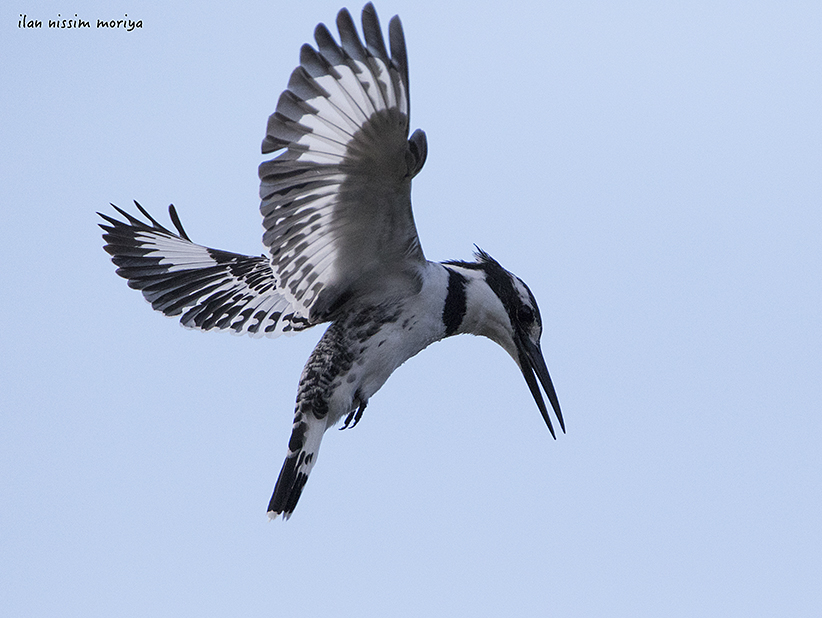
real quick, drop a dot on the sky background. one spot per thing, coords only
(652, 170)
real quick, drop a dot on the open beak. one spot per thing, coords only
(533, 366)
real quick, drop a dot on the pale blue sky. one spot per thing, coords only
(651, 170)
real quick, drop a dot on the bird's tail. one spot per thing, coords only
(306, 435)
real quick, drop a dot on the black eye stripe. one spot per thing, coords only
(501, 283)
(525, 314)
(534, 308)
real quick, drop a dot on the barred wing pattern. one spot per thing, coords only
(209, 288)
(336, 202)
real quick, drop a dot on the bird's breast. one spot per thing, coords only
(361, 349)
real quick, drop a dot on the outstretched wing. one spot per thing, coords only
(336, 202)
(208, 288)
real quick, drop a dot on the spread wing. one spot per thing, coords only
(336, 202)
(208, 288)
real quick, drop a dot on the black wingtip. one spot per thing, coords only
(175, 219)
(399, 55)
(372, 32)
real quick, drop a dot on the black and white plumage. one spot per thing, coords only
(343, 248)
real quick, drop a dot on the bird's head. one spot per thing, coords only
(501, 307)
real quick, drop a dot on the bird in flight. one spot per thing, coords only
(342, 248)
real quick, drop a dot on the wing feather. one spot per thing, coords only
(336, 201)
(208, 288)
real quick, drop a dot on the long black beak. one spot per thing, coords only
(531, 362)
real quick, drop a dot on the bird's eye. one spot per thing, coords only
(525, 314)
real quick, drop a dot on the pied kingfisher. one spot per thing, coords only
(343, 248)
